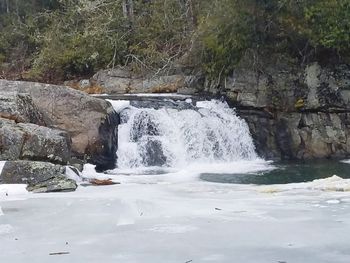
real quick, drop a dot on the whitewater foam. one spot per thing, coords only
(165, 137)
(2, 164)
(119, 105)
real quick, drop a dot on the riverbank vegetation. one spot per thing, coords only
(56, 40)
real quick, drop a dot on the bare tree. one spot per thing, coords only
(128, 9)
(7, 6)
(189, 8)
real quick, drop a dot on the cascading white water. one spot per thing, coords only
(176, 138)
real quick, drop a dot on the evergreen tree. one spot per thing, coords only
(53, 40)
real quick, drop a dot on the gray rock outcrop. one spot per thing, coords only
(39, 176)
(120, 81)
(26, 141)
(90, 122)
(293, 112)
(44, 127)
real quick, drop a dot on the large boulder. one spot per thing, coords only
(39, 176)
(91, 122)
(26, 141)
(19, 107)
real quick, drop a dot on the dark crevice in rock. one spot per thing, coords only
(283, 140)
(105, 154)
(24, 140)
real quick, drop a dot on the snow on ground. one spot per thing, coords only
(119, 105)
(13, 192)
(158, 218)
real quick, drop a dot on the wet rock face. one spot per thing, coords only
(294, 113)
(300, 135)
(105, 154)
(321, 135)
(39, 176)
(153, 153)
(262, 127)
(26, 141)
(90, 122)
(144, 125)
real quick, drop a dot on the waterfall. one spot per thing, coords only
(211, 132)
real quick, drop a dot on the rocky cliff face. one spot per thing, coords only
(125, 81)
(294, 113)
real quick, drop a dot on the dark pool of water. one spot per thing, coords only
(286, 172)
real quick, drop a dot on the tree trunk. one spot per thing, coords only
(131, 9)
(7, 6)
(128, 9)
(189, 8)
(17, 11)
(192, 14)
(125, 8)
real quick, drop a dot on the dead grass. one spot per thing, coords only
(92, 89)
(171, 88)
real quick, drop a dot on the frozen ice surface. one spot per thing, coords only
(13, 192)
(158, 218)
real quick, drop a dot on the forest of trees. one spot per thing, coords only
(55, 40)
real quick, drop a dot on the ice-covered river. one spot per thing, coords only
(190, 209)
(180, 218)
